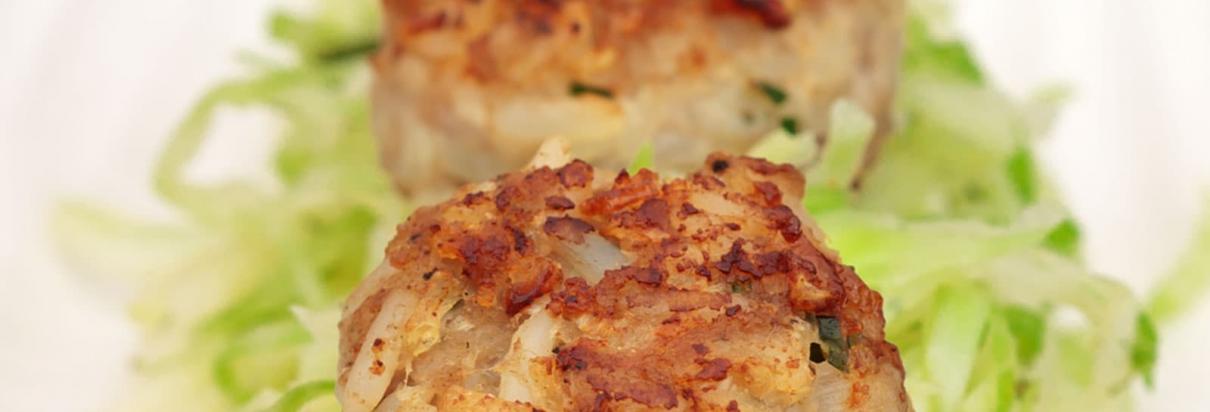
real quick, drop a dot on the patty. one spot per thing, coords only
(565, 288)
(467, 89)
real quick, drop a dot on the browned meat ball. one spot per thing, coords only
(566, 288)
(467, 89)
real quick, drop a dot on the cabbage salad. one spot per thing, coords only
(985, 292)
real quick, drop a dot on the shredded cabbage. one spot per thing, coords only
(1189, 280)
(977, 260)
(237, 295)
(985, 293)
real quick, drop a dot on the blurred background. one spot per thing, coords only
(89, 90)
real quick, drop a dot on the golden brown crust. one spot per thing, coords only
(497, 256)
(589, 32)
(719, 268)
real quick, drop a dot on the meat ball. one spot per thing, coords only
(564, 287)
(468, 89)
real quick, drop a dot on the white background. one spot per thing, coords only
(90, 88)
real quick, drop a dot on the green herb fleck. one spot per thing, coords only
(740, 287)
(577, 88)
(838, 357)
(347, 51)
(774, 93)
(829, 328)
(833, 337)
(790, 125)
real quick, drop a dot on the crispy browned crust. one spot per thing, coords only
(688, 257)
(492, 32)
(487, 40)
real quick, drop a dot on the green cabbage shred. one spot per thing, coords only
(985, 293)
